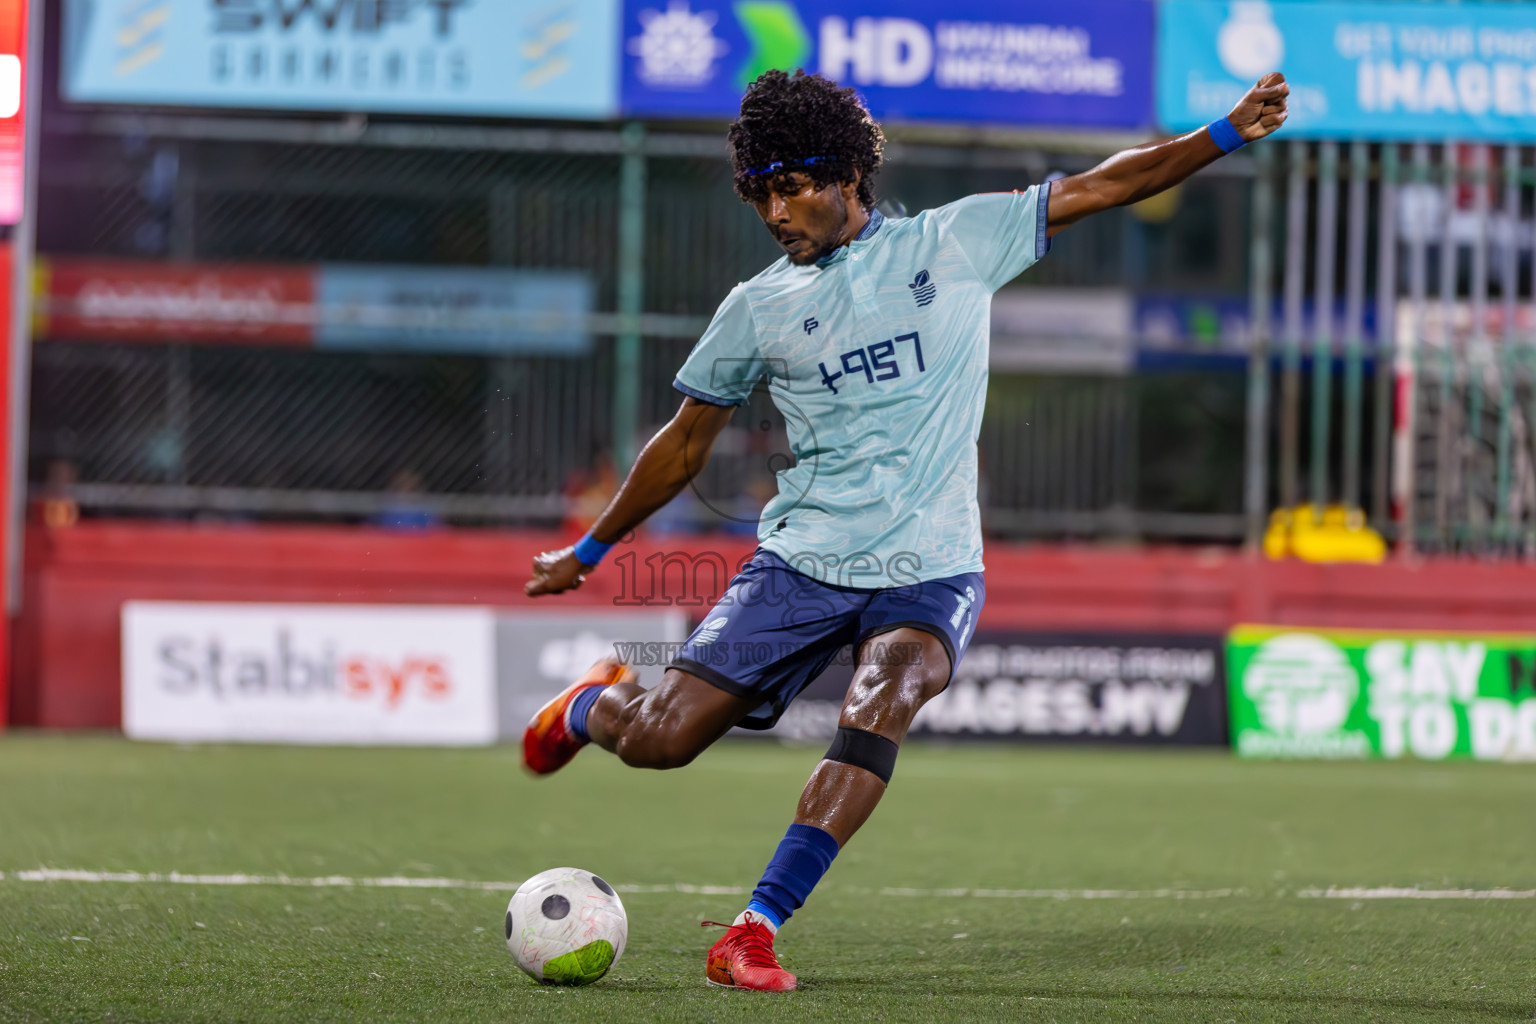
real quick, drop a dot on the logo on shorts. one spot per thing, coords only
(709, 632)
(962, 605)
(923, 288)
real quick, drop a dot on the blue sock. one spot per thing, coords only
(581, 706)
(802, 858)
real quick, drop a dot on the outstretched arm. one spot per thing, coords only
(671, 459)
(1143, 171)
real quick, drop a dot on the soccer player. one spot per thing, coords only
(873, 331)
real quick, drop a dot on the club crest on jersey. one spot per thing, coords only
(923, 288)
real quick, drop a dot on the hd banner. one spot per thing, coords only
(1087, 64)
(517, 58)
(1355, 694)
(1094, 688)
(1371, 70)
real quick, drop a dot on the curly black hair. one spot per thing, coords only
(792, 117)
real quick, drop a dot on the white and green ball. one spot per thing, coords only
(566, 926)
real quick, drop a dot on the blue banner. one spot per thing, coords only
(1371, 70)
(490, 310)
(1085, 64)
(524, 58)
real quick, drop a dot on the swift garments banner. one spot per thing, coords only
(547, 58)
(293, 673)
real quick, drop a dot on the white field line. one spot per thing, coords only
(1073, 894)
(404, 882)
(1391, 893)
(325, 881)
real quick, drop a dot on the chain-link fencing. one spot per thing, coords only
(401, 424)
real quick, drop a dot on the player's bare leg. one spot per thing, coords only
(839, 797)
(666, 726)
(882, 699)
(663, 727)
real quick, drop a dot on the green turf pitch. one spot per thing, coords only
(959, 819)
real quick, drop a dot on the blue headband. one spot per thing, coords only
(789, 165)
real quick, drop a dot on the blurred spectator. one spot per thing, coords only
(404, 508)
(57, 506)
(587, 493)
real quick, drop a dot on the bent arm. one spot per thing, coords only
(1144, 171)
(672, 458)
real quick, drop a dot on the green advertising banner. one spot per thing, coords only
(1342, 693)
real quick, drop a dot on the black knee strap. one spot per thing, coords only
(870, 751)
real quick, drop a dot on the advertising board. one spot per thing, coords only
(1371, 70)
(1084, 64)
(309, 673)
(373, 308)
(13, 104)
(455, 309)
(121, 300)
(522, 58)
(540, 653)
(1356, 694)
(1096, 688)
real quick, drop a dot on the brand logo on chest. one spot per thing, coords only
(923, 289)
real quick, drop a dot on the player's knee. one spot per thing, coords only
(880, 701)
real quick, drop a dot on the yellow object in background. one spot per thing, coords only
(1339, 534)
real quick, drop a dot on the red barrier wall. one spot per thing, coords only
(68, 638)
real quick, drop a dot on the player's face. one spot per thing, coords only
(807, 222)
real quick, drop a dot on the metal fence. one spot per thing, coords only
(1389, 290)
(240, 431)
(1403, 342)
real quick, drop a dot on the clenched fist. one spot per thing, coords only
(555, 572)
(1262, 110)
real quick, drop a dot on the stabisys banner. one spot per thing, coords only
(1307, 693)
(309, 673)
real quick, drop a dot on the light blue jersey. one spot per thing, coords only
(877, 358)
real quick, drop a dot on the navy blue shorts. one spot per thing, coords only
(776, 629)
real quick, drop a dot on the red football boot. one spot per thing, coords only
(548, 743)
(743, 958)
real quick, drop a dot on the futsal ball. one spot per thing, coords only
(566, 926)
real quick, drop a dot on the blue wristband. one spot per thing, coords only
(1225, 136)
(590, 551)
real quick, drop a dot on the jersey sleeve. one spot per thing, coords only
(1001, 233)
(727, 362)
